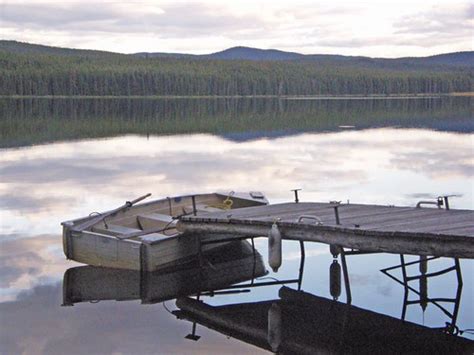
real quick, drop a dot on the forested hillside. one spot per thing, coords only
(49, 71)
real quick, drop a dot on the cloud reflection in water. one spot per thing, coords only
(45, 184)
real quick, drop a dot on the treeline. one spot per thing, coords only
(122, 75)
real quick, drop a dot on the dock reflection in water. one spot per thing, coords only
(302, 323)
(296, 322)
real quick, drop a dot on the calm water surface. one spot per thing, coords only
(71, 164)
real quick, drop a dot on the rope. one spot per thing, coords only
(226, 203)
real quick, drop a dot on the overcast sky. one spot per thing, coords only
(374, 28)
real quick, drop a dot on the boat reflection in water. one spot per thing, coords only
(295, 322)
(236, 262)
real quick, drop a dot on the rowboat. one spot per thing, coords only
(143, 236)
(235, 262)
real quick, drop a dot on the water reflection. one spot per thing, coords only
(56, 180)
(422, 276)
(296, 322)
(40, 120)
(399, 152)
(233, 263)
(302, 323)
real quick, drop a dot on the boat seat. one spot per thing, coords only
(153, 237)
(200, 207)
(114, 229)
(153, 220)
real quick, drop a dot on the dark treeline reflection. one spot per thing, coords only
(40, 120)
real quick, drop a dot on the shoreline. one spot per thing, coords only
(281, 97)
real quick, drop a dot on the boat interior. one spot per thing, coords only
(161, 216)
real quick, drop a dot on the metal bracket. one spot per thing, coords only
(437, 203)
(314, 218)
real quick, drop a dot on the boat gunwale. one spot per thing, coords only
(263, 202)
(144, 204)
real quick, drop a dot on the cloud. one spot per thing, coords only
(437, 20)
(163, 20)
(435, 26)
(55, 15)
(208, 26)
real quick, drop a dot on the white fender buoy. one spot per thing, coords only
(274, 327)
(274, 248)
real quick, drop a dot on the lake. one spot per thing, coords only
(65, 158)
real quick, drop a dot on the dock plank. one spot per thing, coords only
(434, 222)
(424, 231)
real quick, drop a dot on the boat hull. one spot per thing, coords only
(99, 249)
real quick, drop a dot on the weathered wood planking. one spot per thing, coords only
(408, 230)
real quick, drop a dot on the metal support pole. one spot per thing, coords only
(254, 266)
(296, 195)
(192, 335)
(200, 257)
(336, 212)
(169, 205)
(457, 301)
(446, 202)
(347, 284)
(193, 198)
(303, 256)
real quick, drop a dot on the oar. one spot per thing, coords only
(91, 222)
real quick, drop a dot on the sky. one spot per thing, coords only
(370, 28)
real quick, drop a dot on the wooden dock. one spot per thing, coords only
(400, 230)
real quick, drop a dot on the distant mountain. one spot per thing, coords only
(247, 53)
(164, 55)
(30, 48)
(460, 59)
(256, 54)
(456, 58)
